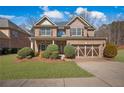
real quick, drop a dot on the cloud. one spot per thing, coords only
(91, 14)
(120, 16)
(67, 13)
(7, 16)
(54, 14)
(44, 8)
(81, 10)
(98, 15)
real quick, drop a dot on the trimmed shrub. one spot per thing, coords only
(9, 50)
(110, 50)
(1, 51)
(51, 52)
(26, 51)
(69, 51)
(54, 55)
(46, 54)
(52, 48)
(19, 57)
(14, 50)
(29, 57)
(5, 51)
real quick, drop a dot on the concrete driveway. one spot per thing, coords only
(112, 73)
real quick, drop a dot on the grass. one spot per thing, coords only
(9, 69)
(120, 56)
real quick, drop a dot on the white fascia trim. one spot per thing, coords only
(81, 18)
(46, 18)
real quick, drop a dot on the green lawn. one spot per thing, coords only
(120, 56)
(9, 69)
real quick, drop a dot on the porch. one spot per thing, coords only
(41, 45)
(84, 47)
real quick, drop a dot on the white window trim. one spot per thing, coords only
(45, 33)
(76, 32)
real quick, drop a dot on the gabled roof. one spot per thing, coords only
(6, 23)
(63, 23)
(45, 17)
(81, 19)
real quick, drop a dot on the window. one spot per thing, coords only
(15, 33)
(45, 32)
(60, 33)
(76, 32)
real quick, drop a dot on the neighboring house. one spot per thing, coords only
(12, 36)
(77, 32)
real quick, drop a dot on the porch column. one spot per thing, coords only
(53, 42)
(78, 51)
(36, 46)
(32, 44)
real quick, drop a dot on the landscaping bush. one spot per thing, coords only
(52, 48)
(29, 57)
(19, 57)
(69, 51)
(46, 54)
(9, 50)
(54, 55)
(26, 51)
(14, 50)
(110, 50)
(5, 51)
(1, 51)
(51, 52)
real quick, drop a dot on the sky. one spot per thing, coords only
(102, 14)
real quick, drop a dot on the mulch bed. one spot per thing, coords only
(121, 47)
(39, 59)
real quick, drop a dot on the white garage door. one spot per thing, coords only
(87, 50)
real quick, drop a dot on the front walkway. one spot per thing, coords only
(63, 82)
(107, 71)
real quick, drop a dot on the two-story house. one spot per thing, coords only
(77, 32)
(12, 36)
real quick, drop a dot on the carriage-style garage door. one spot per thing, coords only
(87, 50)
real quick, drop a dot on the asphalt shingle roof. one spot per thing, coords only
(5, 23)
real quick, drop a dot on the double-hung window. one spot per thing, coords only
(76, 31)
(45, 32)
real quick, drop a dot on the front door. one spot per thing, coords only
(61, 45)
(44, 44)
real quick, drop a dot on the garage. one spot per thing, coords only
(87, 50)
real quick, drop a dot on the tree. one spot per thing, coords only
(29, 22)
(97, 22)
